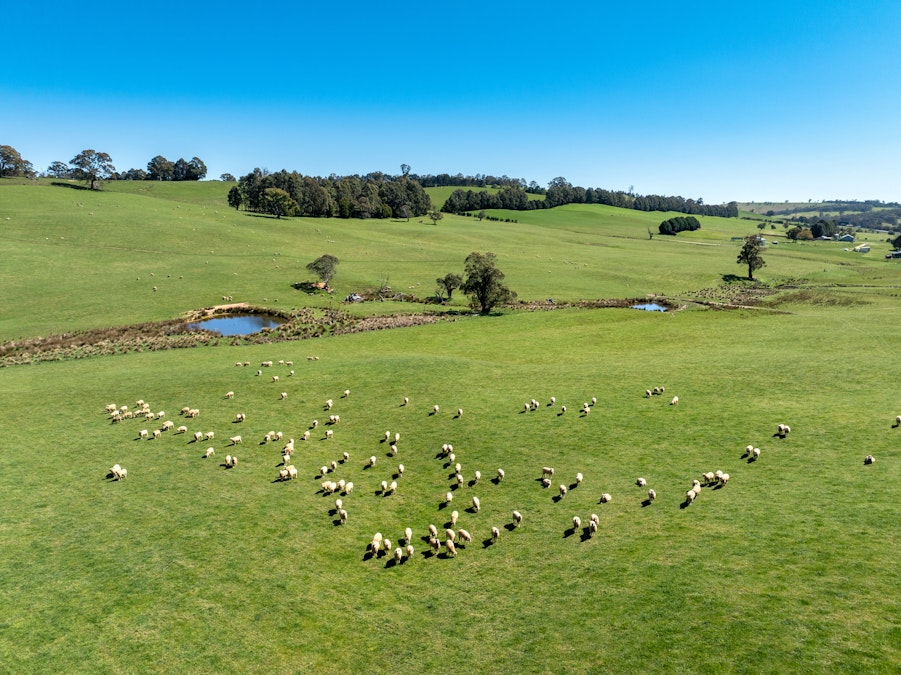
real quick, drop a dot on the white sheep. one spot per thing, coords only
(342, 514)
(209, 435)
(275, 378)
(433, 531)
(594, 400)
(240, 417)
(123, 473)
(577, 522)
(229, 394)
(690, 496)
(392, 487)
(477, 477)
(157, 433)
(495, 534)
(449, 533)
(869, 459)
(284, 395)
(756, 453)
(579, 479)
(675, 400)
(329, 403)
(476, 505)
(314, 424)
(563, 491)
(167, 425)
(408, 535)
(290, 373)
(387, 435)
(372, 460)
(605, 498)
(209, 452)
(400, 469)
(553, 400)
(145, 434)
(459, 412)
(349, 487)
(396, 436)
(652, 495)
(235, 440)
(398, 554)
(594, 519)
(454, 516)
(458, 468)
(339, 504)
(182, 430)
(160, 415)
(406, 400)
(562, 409)
(449, 497)
(387, 544)
(517, 519)
(592, 528)
(334, 465)
(292, 471)
(500, 475)
(283, 474)
(228, 460)
(709, 477)
(329, 433)
(375, 546)
(459, 478)
(435, 409)
(898, 421)
(393, 450)
(342, 484)
(409, 550)
(647, 393)
(463, 535)
(306, 435)
(346, 393)
(451, 549)
(724, 479)
(435, 545)
(641, 482)
(346, 456)
(547, 471)
(323, 470)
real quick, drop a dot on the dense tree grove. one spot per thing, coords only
(514, 196)
(160, 168)
(679, 224)
(374, 195)
(12, 164)
(484, 283)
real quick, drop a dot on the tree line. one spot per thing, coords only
(375, 195)
(560, 192)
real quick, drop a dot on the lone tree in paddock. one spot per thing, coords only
(325, 267)
(750, 254)
(484, 283)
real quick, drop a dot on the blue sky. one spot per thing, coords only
(764, 101)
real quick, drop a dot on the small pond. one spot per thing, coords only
(237, 324)
(650, 307)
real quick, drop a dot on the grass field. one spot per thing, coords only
(186, 566)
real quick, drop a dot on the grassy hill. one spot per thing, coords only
(187, 566)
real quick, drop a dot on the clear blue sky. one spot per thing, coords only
(764, 100)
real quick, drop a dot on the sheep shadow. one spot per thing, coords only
(752, 459)
(442, 505)
(496, 480)
(685, 504)
(366, 467)
(429, 553)
(573, 486)
(646, 502)
(368, 555)
(718, 487)
(395, 475)
(510, 527)
(538, 480)
(472, 482)
(586, 534)
(337, 522)
(568, 533)
(439, 455)
(454, 486)
(556, 498)
(560, 414)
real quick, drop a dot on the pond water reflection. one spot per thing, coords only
(237, 324)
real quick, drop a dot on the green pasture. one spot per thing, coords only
(187, 566)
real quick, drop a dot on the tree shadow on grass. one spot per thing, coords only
(70, 186)
(732, 278)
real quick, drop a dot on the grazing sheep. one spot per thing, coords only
(372, 460)
(334, 465)
(641, 482)
(182, 430)
(396, 436)
(709, 477)
(329, 433)
(695, 484)
(259, 372)
(500, 475)
(342, 484)
(459, 412)
(495, 534)
(328, 487)
(328, 404)
(398, 555)
(400, 469)
(160, 415)
(235, 440)
(517, 519)
(563, 491)
(577, 522)
(123, 473)
(209, 452)
(392, 487)
(475, 504)
(579, 479)
(345, 456)
(292, 471)
(387, 435)
(342, 514)
(898, 421)
(690, 496)
(562, 409)
(323, 470)
(240, 417)
(553, 400)
(463, 535)
(545, 482)
(594, 518)
(458, 468)
(449, 533)
(145, 434)
(115, 469)
(275, 378)
(198, 436)
(605, 498)
(592, 528)
(157, 433)
(168, 424)
(290, 373)
(526, 407)
(284, 395)
(477, 477)
(435, 409)
(459, 479)
(393, 450)
(408, 535)
(454, 516)
(547, 471)
(229, 394)
(314, 424)
(451, 549)
(406, 400)
(594, 400)
(410, 551)
(349, 487)
(306, 435)
(346, 393)
(339, 504)
(451, 457)
(209, 435)
(435, 545)
(283, 474)
(724, 479)
(449, 497)
(647, 393)
(652, 495)
(756, 453)
(375, 546)
(869, 459)
(433, 531)
(228, 460)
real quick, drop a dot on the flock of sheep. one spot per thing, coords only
(452, 537)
